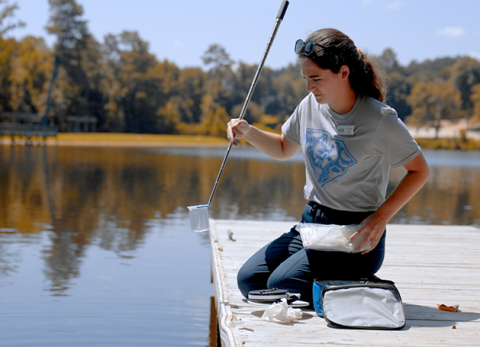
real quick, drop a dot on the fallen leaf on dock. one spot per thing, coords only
(230, 235)
(443, 307)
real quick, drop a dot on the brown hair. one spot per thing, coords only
(334, 49)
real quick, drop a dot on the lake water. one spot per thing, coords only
(96, 247)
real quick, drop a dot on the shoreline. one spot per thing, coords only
(120, 140)
(118, 144)
(138, 141)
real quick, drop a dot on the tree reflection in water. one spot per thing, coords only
(105, 195)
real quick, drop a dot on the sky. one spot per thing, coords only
(182, 30)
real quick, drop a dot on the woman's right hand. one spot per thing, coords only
(237, 128)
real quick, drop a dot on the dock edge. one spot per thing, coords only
(222, 305)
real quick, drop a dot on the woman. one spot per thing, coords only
(349, 140)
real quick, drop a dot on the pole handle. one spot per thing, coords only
(283, 9)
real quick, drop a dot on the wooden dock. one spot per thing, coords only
(430, 265)
(27, 133)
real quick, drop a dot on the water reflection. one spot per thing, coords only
(106, 195)
(67, 213)
(448, 197)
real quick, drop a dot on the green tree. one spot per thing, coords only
(220, 84)
(399, 89)
(397, 82)
(433, 102)
(389, 61)
(127, 62)
(77, 54)
(216, 59)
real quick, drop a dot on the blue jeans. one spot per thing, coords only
(284, 263)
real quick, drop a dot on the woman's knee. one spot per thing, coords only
(254, 274)
(293, 274)
(251, 276)
(243, 281)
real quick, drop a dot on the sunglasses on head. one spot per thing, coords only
(309, 46)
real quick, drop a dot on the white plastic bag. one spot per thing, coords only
(279, 312)
(330, 237)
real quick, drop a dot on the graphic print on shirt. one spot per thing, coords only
(329, 158)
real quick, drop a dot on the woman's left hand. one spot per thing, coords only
(372, 230)
(374, 225)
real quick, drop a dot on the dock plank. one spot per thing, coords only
(430, 265)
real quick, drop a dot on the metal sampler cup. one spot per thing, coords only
(199, 218)
(199, 213)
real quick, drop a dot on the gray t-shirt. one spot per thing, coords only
(348, 169)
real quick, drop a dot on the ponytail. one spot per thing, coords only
(365, 79)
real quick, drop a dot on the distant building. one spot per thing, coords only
(79, 124)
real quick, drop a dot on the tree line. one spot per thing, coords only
(127, 89)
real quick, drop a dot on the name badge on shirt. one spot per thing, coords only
(346, 130)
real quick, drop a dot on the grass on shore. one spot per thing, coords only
(139, 138)
(453, 144)
(425, 143)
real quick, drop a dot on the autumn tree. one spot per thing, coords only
(191, 88)
(433, 102)
(31, 68)
(7, 49)
(464, 75)
(165, 93)
(475, 99)
(123, 85)
(429, 67)
(7, 21)
(139, 88)
(214, 117)
(242, 80)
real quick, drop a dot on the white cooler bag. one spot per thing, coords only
(364, 304)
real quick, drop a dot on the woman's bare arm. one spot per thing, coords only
(374, 225)
(273, 145)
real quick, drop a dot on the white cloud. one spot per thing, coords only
(395, 5)
(451, 32)
(366, 2)
(177, 43)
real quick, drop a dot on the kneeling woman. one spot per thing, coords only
(349, 140)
